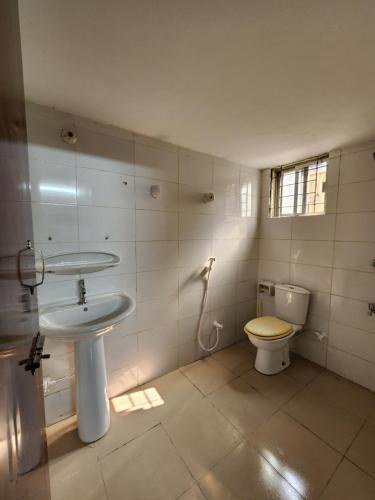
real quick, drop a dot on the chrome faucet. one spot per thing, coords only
(82, 292)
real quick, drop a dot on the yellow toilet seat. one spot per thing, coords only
(268, 328)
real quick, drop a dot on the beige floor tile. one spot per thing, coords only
(301, 458)
(243, 406)
(201, 435)
(302, 371)
(174, 392)
(127, 421)
(362, 451)
(236, 359)
(349, 483)
(332, 423)
(62, 438)
(353, 397)
(146, 468)
(244, 474)
(194, 493)
(207, 374)
(247, 345)
(278, 388)
(136, 411)
(74, 468)
(371, 417)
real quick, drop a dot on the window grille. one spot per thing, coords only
(299, 188)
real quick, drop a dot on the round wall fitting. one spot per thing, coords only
(155, 191)
(68, 136)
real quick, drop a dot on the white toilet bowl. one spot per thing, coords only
(272, 355)
(271, 335)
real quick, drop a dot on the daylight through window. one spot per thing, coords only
(299, 188)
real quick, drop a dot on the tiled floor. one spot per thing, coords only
(217, 429)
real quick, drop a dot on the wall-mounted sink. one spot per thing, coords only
(75, 322)
(85, 324)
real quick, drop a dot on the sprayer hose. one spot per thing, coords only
(200, 322)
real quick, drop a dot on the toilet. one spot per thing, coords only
(271, 335)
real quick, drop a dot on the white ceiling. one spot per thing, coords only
(261, 82)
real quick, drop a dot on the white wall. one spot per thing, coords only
(331, 255)
(80, 202)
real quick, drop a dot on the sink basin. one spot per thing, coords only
(85, 325)
(74, 322)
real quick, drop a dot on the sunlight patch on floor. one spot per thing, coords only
(138, 400)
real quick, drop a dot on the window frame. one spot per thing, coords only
(276, 188)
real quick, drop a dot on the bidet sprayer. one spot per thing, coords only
(216, 325)
(208, 269)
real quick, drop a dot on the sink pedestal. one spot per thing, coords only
(91, 389)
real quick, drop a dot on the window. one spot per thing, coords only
(299, 188)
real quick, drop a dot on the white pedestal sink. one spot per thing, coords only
(85, 325)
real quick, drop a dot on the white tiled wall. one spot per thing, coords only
(332, 256)
(96, 196)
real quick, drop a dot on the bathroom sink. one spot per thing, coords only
(85, 325)
(74, 322)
